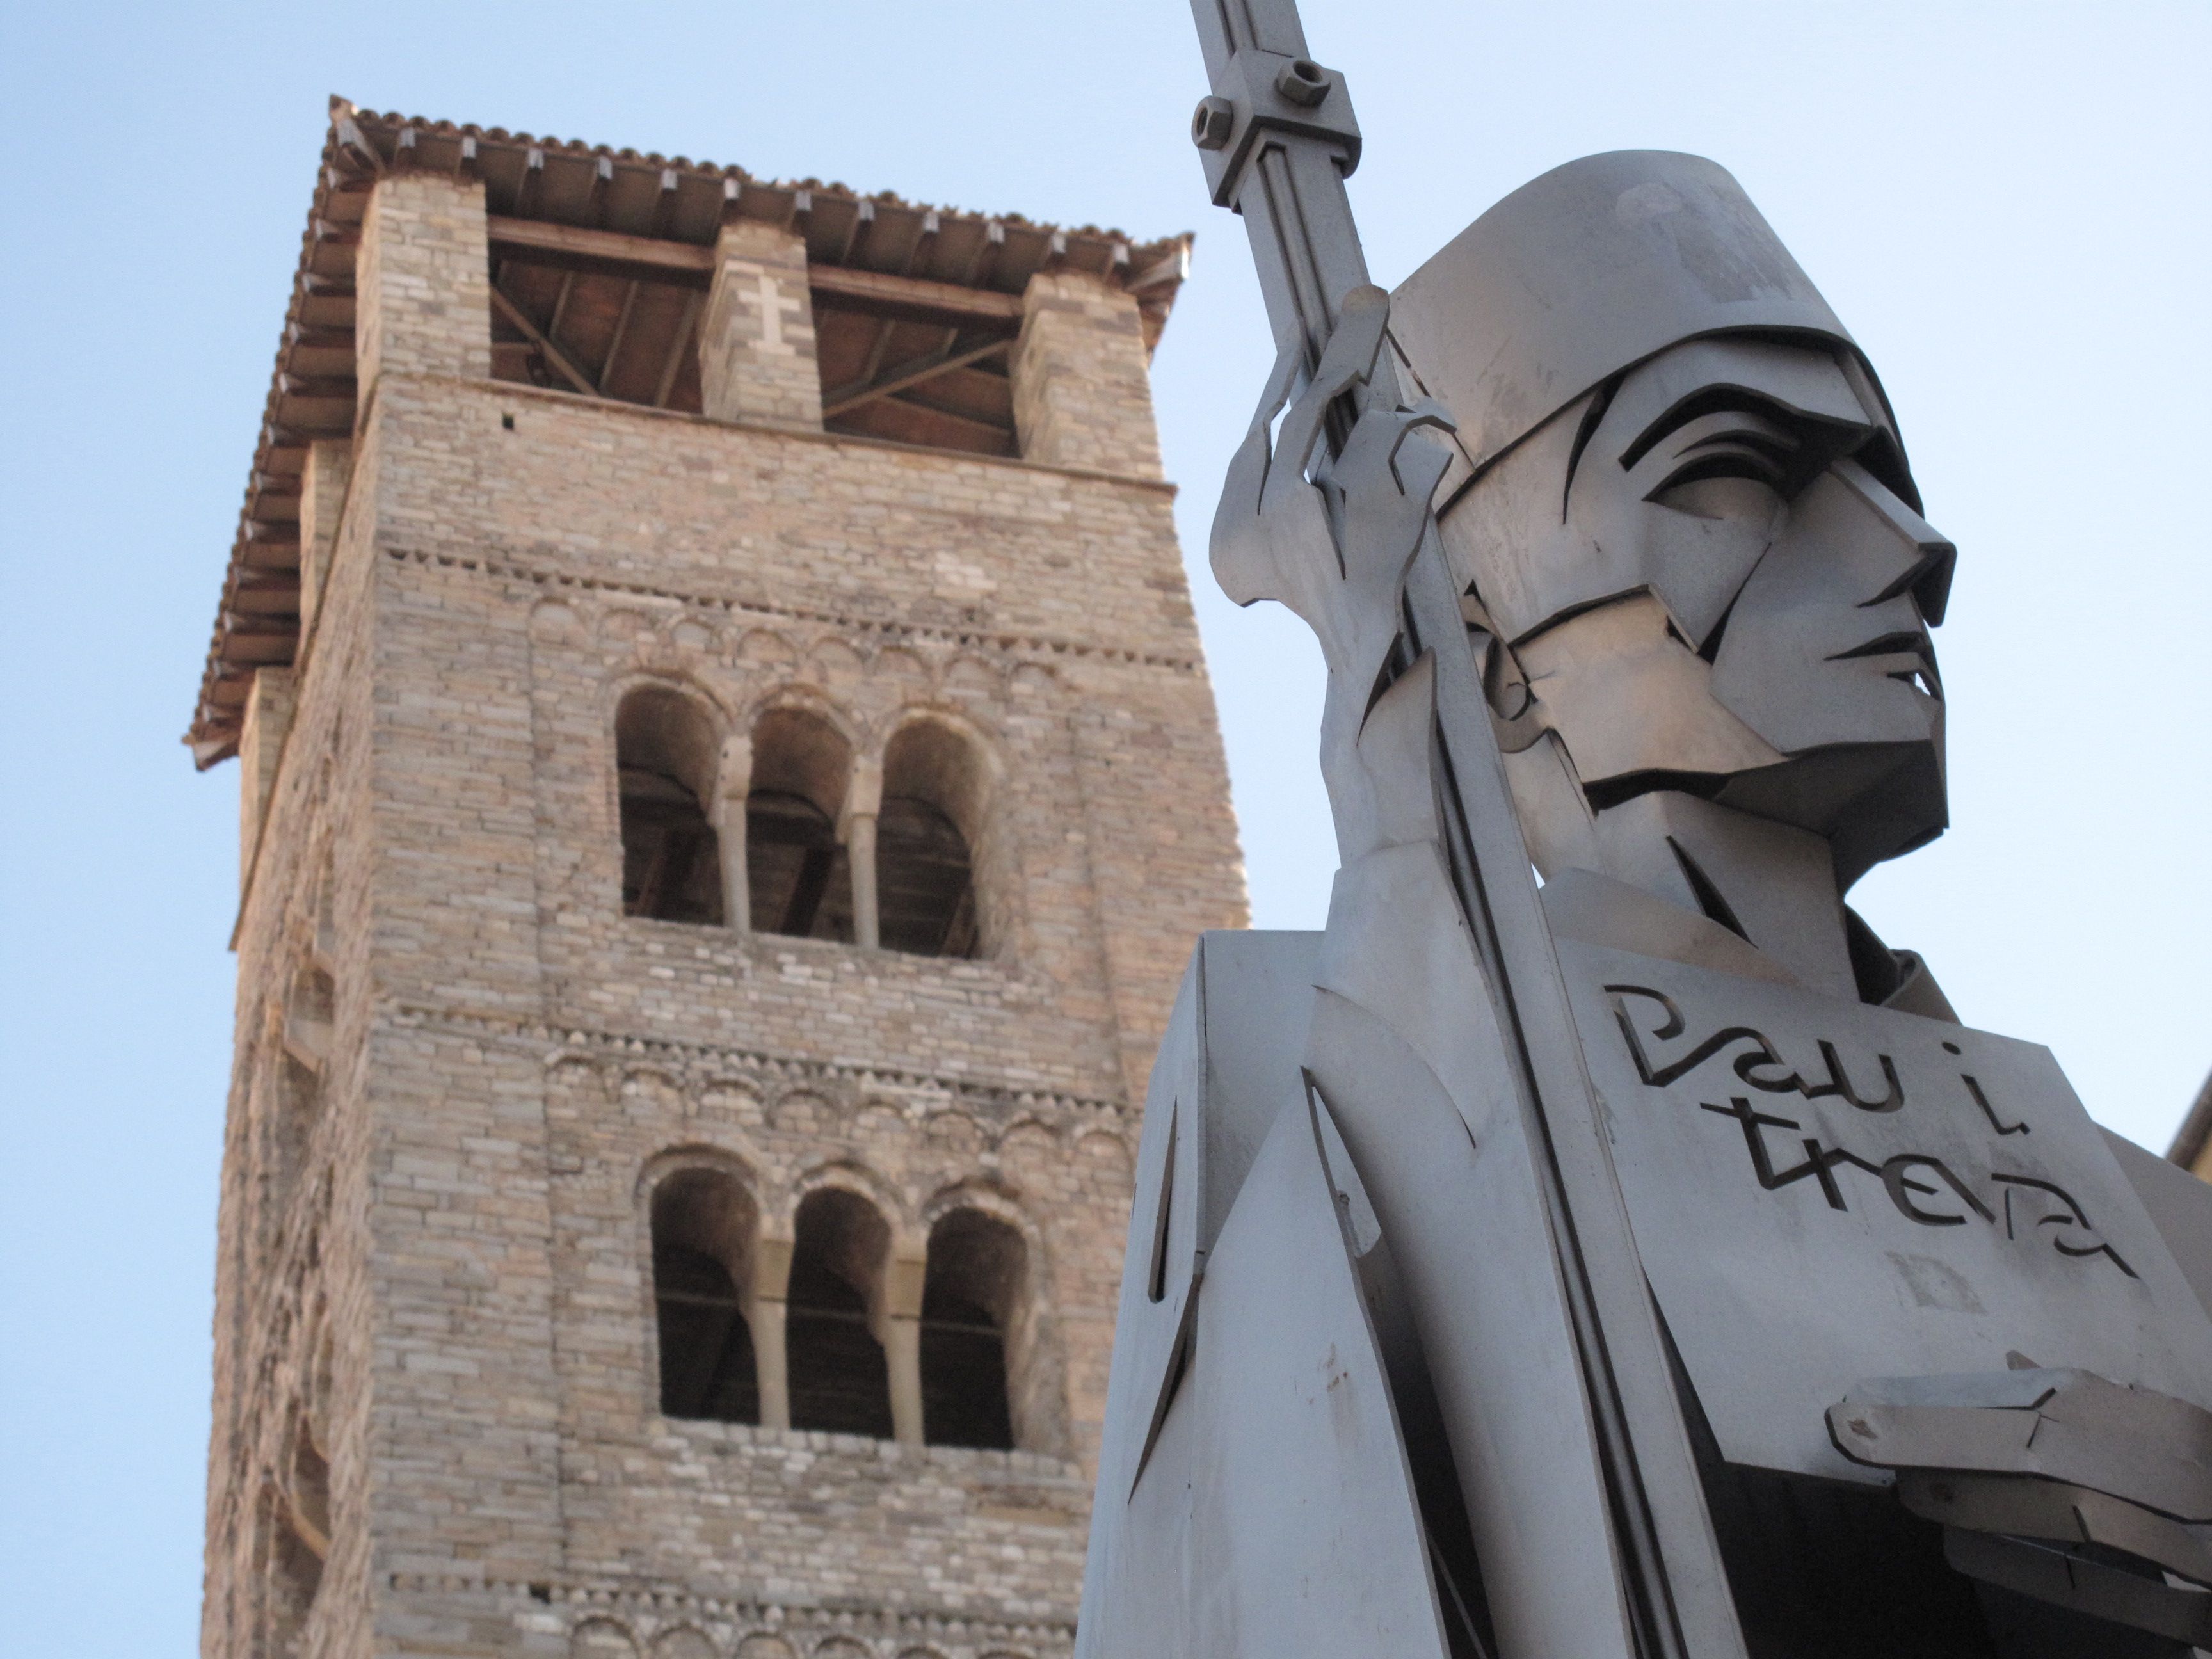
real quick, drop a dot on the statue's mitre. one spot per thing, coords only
(1587, 270)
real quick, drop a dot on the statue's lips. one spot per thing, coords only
(1908, 657)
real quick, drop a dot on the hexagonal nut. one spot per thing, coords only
(1301, 81)
(1212, 122)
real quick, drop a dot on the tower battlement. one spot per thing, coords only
(728, 783)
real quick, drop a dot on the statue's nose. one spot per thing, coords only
(1921, 555)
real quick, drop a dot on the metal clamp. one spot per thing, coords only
(1270, 92)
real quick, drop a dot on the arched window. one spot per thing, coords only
(970, 1303)
(703, 1242)
(795, 868)
(665, 750)
(840, 1379)
(932, 816)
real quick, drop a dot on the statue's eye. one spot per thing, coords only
(1741, 473)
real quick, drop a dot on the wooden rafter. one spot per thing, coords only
(622, 327)
(915, 371)
(536, 337)
(677, 347)
(561, 303)
(915, 297)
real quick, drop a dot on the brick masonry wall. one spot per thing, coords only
(1081, 396)
(450, 1272)
(756, 357)
(294, 1316)
(423, 285)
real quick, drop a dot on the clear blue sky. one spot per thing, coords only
(2006, 204)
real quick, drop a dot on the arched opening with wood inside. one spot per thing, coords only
(840, 1378)
(796, 868)
(972, 1303)
(932, 821)
(704, 1225)
(665, 755)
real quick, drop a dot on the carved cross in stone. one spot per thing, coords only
(773, 302)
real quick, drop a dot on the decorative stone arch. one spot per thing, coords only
(555, 619)
(631, 620)
(1107, 1147)
(766, 647)
(854, 1304)
(900, 665)
(600, 1638)
(880, 1121)
(966, 672)
(685, 1641)
(1020, 1126)
(832, 662)
(954, 1132)
(803, 698)
(694, 638)
(648, 1077)
(669, 732)
(862, 1180)
(730, 1099)
(943, 859)
(578, 1071)
(805, 1108)
(711, 1283)
(793, 776)
(990, 1374)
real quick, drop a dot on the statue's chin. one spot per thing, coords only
(1870, 801)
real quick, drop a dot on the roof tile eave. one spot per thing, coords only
(216, 724)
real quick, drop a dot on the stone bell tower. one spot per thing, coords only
(729, 782)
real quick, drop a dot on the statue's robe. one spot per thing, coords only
(1311, 1443)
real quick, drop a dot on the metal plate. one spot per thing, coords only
(1824, 1192)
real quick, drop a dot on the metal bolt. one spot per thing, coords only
(1211, 121)
(1303, 82)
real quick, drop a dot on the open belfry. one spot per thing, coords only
(729, 786)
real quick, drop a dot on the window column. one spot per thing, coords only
(734, 781)
(902, 1338)
(771, 1290)
(864, 799)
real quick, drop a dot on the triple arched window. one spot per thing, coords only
(834, 1330)
(791, 827)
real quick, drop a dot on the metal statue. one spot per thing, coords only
(1597, 1243)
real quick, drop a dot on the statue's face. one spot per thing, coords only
(1708, 585)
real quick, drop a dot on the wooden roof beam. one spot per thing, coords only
(912, 373)
(536, 336)
(913, 298)
(653, 257)
(628, 254)
(685, 330)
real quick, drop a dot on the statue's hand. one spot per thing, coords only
(2057, 1484)
(1330, 536)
